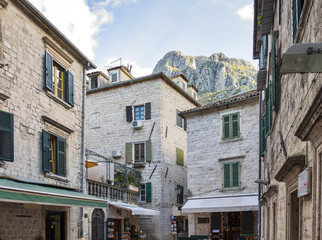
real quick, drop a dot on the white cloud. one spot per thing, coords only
(76, 21)
(114, 3)
(246, 12)
(137, 69)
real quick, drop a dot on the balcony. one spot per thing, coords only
(112, 192)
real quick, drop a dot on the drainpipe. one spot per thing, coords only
(259, 168)
(82, 152)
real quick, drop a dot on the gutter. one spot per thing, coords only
(259, 170)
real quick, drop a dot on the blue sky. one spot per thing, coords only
(141, 32)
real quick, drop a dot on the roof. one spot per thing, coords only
(123, 69)
(143, 79)
(27, 5)
(193, 87)
(182, 76)
(234, 99)
(97, 73)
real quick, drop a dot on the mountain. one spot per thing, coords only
(216, 77)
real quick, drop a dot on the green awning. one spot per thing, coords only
(14, 191)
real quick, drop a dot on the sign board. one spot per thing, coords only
(203, 220)
(304, 183)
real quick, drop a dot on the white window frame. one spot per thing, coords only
(182, 119)
(133, 153)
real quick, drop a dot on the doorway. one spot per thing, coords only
(55, 225)
(98, 225)
(117, 229)
(294, 216)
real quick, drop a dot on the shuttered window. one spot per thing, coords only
(94, 82)
(231, 175)
(6, 136)
(53, 154)
(268, 110)
(138, 152)
(59, 80)
(139, 112)
(180, 156)
(230, 126)
(146, 192)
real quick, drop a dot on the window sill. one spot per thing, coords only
(138, 165)
(235, 189)
(58, 100)
(231, 140)
(56, 177)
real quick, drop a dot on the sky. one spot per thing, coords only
(141, 32)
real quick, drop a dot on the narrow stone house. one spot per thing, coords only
(41, 116)
(288, 42)
(222, 166)
(134, 122)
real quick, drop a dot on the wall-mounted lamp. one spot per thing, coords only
(262, 181)
(302, 58)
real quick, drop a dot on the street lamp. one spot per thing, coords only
(302, 58)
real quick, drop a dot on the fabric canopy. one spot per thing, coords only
(232, 203)
(15, 191)
(136, 210)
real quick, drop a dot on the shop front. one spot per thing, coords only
(226, 217)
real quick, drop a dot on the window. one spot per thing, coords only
(6, 136)
(297, 7)
(180, 121)
(59, 81)
(139, 112)
(54, 154)
(94, 82)
(146, 192)
(231, 128)
(55, 225)
(231, 175)
(183, 86)
(114, 77)
(138, 153)
(179, 191)
(180, 158)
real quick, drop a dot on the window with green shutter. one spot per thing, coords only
(268, 110)
(53, 154)
(180, 157)
(59, 80)
(146, 192)
(230, 126)
(297, 7)
(94, 82)
(6, 137)
(138, 153)
(231, 175)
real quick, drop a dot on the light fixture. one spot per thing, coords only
(302, 58)
(262, 181)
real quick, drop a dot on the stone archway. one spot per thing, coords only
(98, 224)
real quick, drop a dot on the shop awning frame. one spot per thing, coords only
(22, 192)
(136, 210)
(231, 203)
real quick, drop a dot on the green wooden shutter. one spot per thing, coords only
(235, 168)
(128, 152)
(129, 117)
(48, 71)
(45, 151)
(148, 110)
(61, 157)
(180, 156)
(268, 110)
(262, 135)
(225, 124)
(69, 88)
(273, 71)
(148, 151)
(235, 125)
(6, 137)
(148, 187)
(226, 177)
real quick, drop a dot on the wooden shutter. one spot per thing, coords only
(148, 110)
(262, 135)
(185, 124)
(180, 157)
(226, 177)
(273, 71)
(235, 125)
(6, 137)
(215, 221)
(148, 151)
(48, 71)
(148, 190)
(235, 174)
(128, 152)
(178, 118)
(45, 151)
(61, 157)
(225, 125)
(247, 222)
(69, 88)
(268, 110)
(129, 117)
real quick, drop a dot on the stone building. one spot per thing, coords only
(135, 123)
(222, 166)
(41, 136)
(291, 135)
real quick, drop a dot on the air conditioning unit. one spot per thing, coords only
(137, 124)
(116, 153)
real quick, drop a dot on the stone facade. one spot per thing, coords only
(208, 151)
(25, 36)
(113, 132)
(293, 142)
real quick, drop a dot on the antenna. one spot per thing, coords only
(120, 59)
